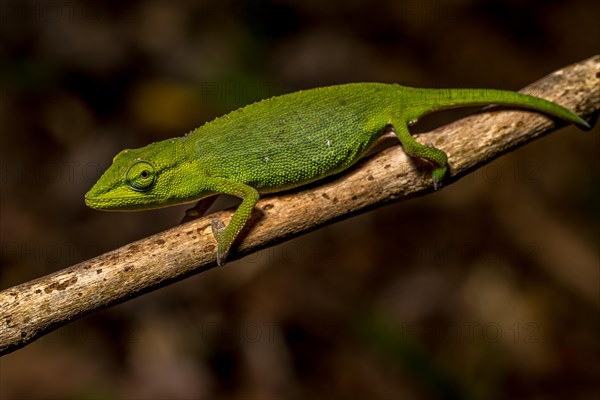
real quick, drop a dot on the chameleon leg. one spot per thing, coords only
(226, 235)
(414, 149)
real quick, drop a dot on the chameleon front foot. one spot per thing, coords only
(218, 229)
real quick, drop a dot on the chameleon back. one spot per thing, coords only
(290, 140)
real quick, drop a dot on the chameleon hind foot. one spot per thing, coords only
(438, 174)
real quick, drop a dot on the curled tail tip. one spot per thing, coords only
(583, 124)
(580, 122)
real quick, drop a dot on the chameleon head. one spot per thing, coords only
(139, 179)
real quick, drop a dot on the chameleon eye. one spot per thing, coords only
(141, 176)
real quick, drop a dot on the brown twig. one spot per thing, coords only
(32, 309)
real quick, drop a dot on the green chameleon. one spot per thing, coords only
(282, 143)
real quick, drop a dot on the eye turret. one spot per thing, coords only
(141, 176)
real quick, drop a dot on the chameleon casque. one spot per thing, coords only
(285, 142)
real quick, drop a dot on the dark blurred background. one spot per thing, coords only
(489, 288)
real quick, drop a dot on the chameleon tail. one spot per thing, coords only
(437, 99)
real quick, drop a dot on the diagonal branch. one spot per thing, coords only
(32, 309)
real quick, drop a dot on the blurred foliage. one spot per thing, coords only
(486, 289)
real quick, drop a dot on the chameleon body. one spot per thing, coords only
(284, 142)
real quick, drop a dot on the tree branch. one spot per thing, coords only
(32, 309)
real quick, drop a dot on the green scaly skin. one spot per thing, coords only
(284, 142)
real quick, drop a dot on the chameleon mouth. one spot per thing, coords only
(98, 203)
(108, 203)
